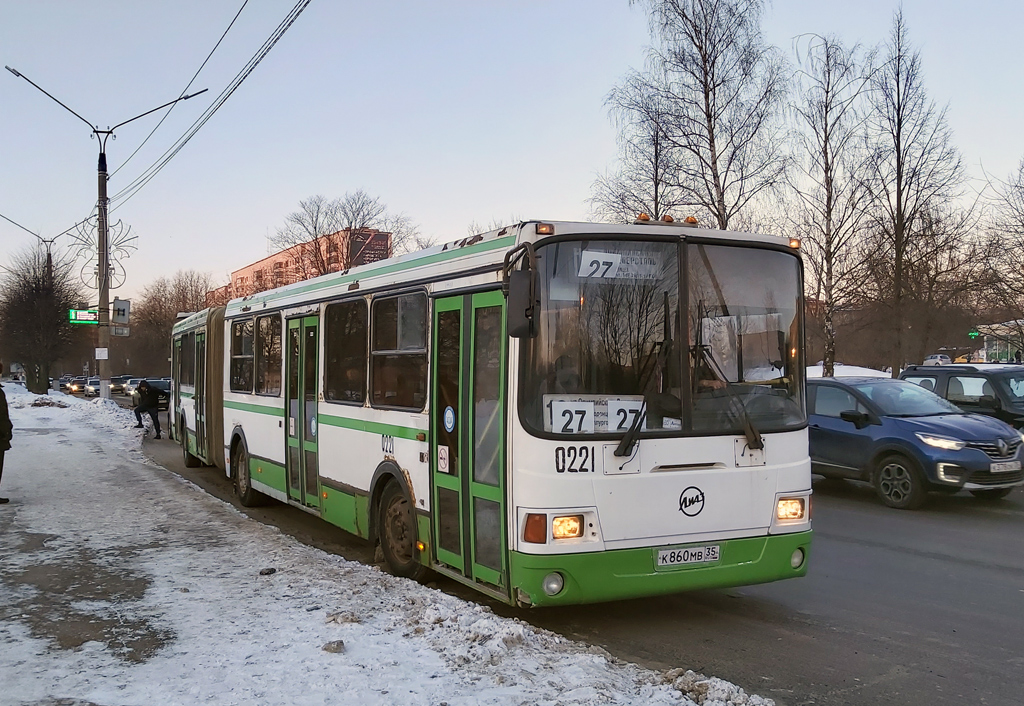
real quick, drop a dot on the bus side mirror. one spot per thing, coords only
(522, 305)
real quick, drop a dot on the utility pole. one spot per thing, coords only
(103, 246)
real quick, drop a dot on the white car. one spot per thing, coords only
(937, 359)
(131, 384)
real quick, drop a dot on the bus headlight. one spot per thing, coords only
(567, 527)
(797, 558)
(790, 509)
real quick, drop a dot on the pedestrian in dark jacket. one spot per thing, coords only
(6, 429)
(149, 401)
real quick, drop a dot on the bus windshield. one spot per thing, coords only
(624, 341)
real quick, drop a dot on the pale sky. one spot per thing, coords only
(449, 111)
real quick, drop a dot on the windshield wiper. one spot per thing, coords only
(754, 440)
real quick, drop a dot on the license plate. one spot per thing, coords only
(1004, 466)
(679, 556)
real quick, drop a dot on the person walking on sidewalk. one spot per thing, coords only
(149, 401)
(6, 429)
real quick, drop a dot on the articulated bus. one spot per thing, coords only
(552, 413)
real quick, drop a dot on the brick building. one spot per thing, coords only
(330, 253)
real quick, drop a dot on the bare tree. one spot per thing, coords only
(723, 90)
(644, 180)
(319, 230)
(832, 197)
(154, 313)
(912, 167)
(35, 330)
(307, 230)
(1004, 295)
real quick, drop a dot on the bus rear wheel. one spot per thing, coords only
(247, 496)
(189, 460)
(396, 531)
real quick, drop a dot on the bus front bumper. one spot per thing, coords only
(631, 573)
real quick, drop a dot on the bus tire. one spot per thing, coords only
(396, 531)
(189, 460)
(898, 482)
(247, 496)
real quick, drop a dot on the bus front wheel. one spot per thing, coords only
(396, 531)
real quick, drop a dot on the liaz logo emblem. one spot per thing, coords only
(691, 501)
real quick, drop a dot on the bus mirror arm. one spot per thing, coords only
(520, 288)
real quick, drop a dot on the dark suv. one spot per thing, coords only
(993, 389)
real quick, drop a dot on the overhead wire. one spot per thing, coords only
(185, 90)
(136, 185)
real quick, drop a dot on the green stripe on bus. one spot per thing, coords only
(371, 427)
(257, 408)
(455, 252)
(186, 395)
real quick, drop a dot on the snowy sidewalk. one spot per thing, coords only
(122, 584)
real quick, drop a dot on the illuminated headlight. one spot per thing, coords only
(567, 527)
(553, 584)
(790, 509)
(941, 442)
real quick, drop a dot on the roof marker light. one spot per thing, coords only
(545, 229)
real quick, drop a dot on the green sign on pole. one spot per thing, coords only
(84, 316)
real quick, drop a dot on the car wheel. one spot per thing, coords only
(992, 494)
(899, 483)
(247, 496)
(396, 530)
(190, 460)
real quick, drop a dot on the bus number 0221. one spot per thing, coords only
(574, 459)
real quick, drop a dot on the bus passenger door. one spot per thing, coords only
(302, 462)
(468, 437)
(179, 434)
(200, 397)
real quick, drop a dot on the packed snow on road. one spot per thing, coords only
(121, 583)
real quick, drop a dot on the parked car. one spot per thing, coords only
(994, 389)
(907, 441)
(65, 380)
(937, 359)
(131, 384)
(92, 387)
(158, 383)
(77, 385)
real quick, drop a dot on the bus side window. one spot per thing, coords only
(399, 355)
(345, 350)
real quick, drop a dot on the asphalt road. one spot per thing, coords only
(910, 608)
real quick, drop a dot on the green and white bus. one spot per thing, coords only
(552, 412)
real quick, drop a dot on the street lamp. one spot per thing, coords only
(103, 344)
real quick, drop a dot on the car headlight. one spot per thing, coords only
(941, 442)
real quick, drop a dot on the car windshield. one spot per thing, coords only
(164, 385)
(897, 398)
(622, 336)
(1013, 386)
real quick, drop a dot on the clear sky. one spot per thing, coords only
(450, 111)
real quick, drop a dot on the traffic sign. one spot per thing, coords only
(119, 312)
(84, 316)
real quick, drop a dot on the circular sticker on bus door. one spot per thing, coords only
(312, 426)
(449, 419)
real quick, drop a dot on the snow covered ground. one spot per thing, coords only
(121, 583)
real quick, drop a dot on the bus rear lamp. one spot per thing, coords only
(794, 243)
(553, 583)
(797, 558)
(545, 229)
(421, 546)
(790, 509)
(567, 527)
(535, 529)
